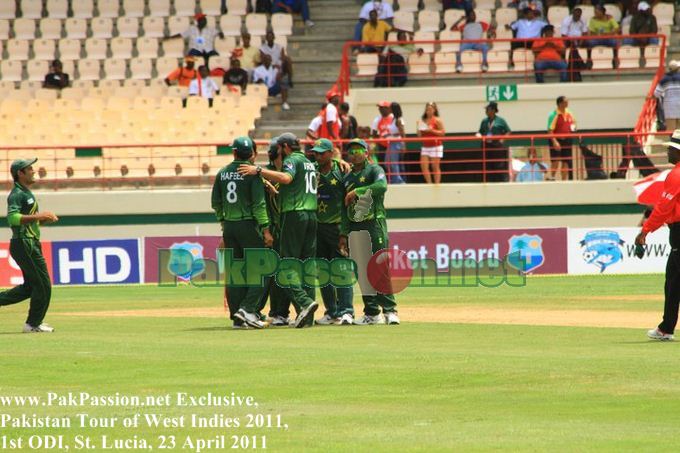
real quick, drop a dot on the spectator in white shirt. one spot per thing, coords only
(270, 76)
(314, 126)
(203, 86)
(384, 10)
(201, 38)
(533, 170)
(574, 26)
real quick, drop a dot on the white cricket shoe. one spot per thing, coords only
(279, 321)
(285, 106)
(251, 319)
(392, 318)
(305, 315)
(326, 320)
(239, 325)
(42, 328)
(656, 334)
(368, 320)
(345, 320)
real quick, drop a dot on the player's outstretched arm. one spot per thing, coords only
(270, 175)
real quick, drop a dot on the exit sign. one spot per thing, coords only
(501, 93)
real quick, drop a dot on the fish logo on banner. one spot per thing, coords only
(602, 248)
(526, 252)
(186, 260)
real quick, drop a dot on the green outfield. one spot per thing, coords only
(541, 374)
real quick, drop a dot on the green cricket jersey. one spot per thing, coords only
(366, 208)
(300, 194)
(273, 206)
(238, 197)
(20, 202)
(331, 194)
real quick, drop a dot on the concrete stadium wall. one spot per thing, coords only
(612, 105)
(126, 214)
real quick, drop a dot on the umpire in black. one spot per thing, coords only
(24, 218)
(667, 211)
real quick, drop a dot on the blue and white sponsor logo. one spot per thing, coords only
(186, 260)
(602, 248)
(113, 261)
(525, 252)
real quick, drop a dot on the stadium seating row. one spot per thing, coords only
(116, 48)
(85, 9)
(131, 27)
(430, 20)
(498, 60)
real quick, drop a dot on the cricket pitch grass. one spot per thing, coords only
(560, 364)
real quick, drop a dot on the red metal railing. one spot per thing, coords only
(465, 159)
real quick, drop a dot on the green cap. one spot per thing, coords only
(288, 138)
(20, 164)
(243, 144)
(358, 141)
(322, 145)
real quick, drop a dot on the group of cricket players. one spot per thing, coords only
(303, 208)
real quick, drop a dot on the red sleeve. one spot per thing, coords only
(666, 205)
(485, 26)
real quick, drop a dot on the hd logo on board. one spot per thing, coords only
(96, 262)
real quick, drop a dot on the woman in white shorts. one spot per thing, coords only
(432, 150)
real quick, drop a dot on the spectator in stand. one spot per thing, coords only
(56, 78)
(535, 5)
(529, 27)
(395, 148)
(533, 170)
(472, 30)
(381, 126)
(183, 75)
(364, 133)
(293, 6)
(330, 120)
(374, 30)
(247, 54)
(235, 76)
(465, 5)
(392, 70)
(668, 93)
(643, 23)
(494, 152)
(203, 86)
(549, 54)
(280, 60)
(385, 13)
(561, 121)
(201, 38)
(432, 150)
(271, 77)
(349, 123)
(574, 26)
(602, 24)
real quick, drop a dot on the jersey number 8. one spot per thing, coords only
(232, 196)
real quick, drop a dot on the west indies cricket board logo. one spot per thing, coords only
(186, 260)
(525, 252)
(602, 248)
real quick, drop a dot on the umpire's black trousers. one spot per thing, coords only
(672, 286)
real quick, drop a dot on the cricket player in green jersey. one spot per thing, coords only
(24, 247)
(366, 186)
(279, 304)
(298, 219)
(331, 198)
(239, 204)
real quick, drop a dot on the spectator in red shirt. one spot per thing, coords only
(561, 121)
(667, 211)
(549, 54)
